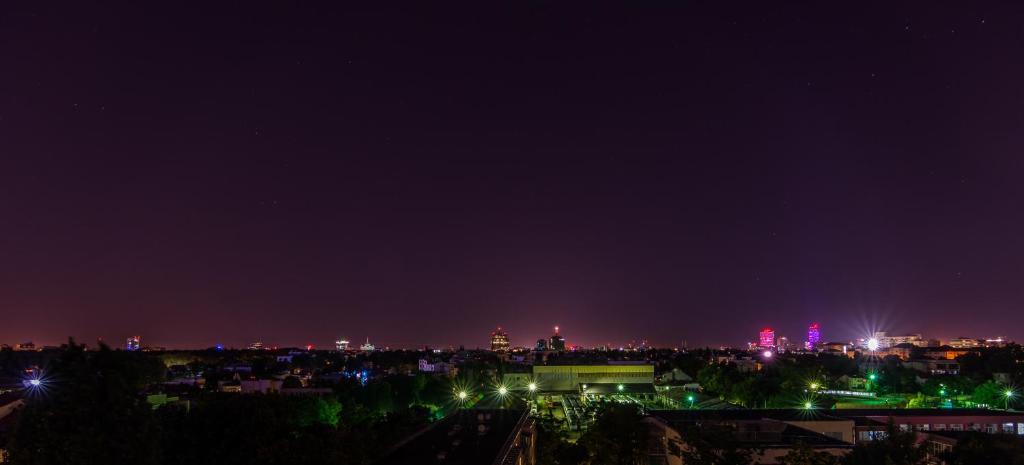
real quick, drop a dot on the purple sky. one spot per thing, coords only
(292, 172)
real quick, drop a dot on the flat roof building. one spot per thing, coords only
(553, 378)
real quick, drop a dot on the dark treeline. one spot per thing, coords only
(91, 409)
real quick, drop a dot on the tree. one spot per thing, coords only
(803, 454)
(989, 393)
(897, 448)
(618, 436)
(88, 411)
(712, 445)
(986, 449)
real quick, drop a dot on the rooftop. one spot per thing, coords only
(472, 436)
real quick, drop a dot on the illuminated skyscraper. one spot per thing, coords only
(783, 344)
(557, 341)
(813, 336)
(767, 338)
(133, 344)
(499, 340)
(341, 344)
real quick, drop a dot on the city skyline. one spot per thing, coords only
(526, 341)
(691, 171)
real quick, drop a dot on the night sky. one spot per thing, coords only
(292, 172)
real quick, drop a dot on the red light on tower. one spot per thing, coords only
(767, 338)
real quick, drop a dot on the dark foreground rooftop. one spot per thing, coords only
(474, 436)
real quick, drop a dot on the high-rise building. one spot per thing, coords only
(767, 338)
(813, 336)
(542, 345)
(783, 344)
(258, 345)
(499, 340)
(341, 344)
(557, 341)
(133, 344)
(367, 347)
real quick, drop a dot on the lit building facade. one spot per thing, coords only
(134, 343)
(557, 341)
(766, 338)
(813, 336)
(367, 347)
(886, 341)
(542, 345)
(341, 344)
(499, 340)
(574, 377)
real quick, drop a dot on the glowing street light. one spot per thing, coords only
(1008, 394)
(532, 387)
(873, 344)
(502, 390)
(691, 399)
(767, 354)
(814, 386)
(35, 382)
(462, 395)
(872, 376)
(808, 405)
(621, 387)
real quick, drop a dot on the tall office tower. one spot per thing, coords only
(499, 340)
(767, 338)
(813, 336)
(557, 341)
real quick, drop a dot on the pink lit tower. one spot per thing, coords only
(767, 338)
(813, 336)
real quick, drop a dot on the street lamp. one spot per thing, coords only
(621, 387)
(691, 399)
(814, 386)
(532, 387)
(873, 344)
(808, 405)
(462, 395)
(1009, 395)
(502, 390)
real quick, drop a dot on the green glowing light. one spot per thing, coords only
(621, 387)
